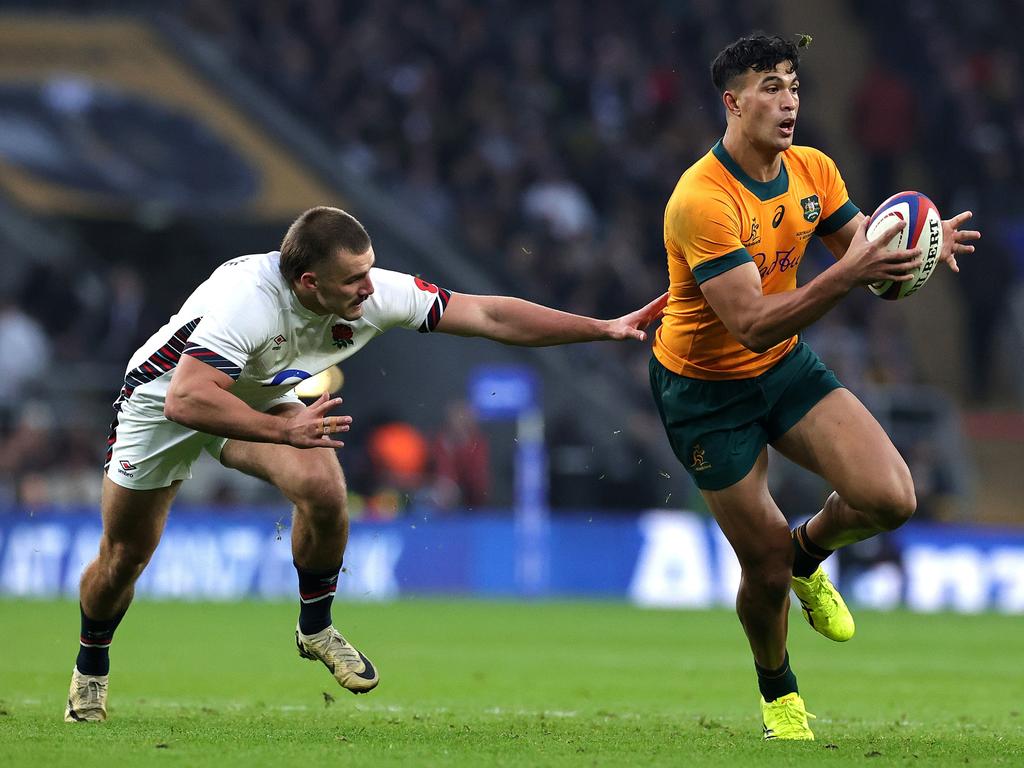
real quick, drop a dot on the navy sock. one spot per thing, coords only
(94, 643)
(775, 683)
(316, 593)
(807, 555)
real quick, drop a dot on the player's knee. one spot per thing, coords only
(892, 504)
(124, 561)
(898, 506)
(321, 492)
(761, 588)
(769, 570)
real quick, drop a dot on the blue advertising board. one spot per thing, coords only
(503, 392)
(657, 558)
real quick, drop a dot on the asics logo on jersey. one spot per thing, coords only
(777, 218)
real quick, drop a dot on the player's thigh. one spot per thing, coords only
(133, 519)
(714, 427)
(841, 441)
(301, 474)
(751, 520)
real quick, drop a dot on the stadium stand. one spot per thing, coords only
(543, 144)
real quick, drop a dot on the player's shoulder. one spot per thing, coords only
(702, 190)
(245, 288)
(390, 286)
(252, 273)
(702, 183)
(402, 285)
(809, 159)
(251, 267)
(402, 299)
(706, 173)
(391, 289)
(391, 278)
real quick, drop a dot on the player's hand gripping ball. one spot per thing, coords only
(923, 230)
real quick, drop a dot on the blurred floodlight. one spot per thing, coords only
(330, 380)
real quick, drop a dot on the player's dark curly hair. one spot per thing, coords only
(759, 52)
(318, 234)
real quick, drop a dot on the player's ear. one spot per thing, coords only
(732, 105)
(308, 280)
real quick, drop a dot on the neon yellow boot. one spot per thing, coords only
(786, 718)
(823, 606)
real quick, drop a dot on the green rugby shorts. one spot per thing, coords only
(717, 429)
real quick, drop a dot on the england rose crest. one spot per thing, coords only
(341, 336)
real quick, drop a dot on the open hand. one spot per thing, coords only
(634, 325)
(871, 261)
(955, 240)
(312, 427)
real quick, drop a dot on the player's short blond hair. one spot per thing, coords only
(318, 234)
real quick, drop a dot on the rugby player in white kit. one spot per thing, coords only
(219, 376)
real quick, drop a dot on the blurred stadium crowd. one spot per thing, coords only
(545, 138)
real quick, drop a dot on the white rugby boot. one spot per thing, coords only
(350, 668)
(87, 699)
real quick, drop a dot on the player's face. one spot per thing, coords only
(769, 102)
(343, 284)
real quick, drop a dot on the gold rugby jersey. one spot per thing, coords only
(718, 218)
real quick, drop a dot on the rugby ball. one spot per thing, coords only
(923, 230)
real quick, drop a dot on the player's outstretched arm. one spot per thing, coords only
(198, 398)
(523, 323)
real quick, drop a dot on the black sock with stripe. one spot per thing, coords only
(807, 555)
(316, 593)
(94, 643)
(775, 683)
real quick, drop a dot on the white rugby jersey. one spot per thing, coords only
(246, 321)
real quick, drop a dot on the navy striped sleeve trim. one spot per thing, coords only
(210, 357)
(436, 311)
(714, 267)
(837, 220)
(158, 363)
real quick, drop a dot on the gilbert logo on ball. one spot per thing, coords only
(923, 230)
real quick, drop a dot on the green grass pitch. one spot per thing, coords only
(468, 683)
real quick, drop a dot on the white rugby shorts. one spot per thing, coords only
(146, 451)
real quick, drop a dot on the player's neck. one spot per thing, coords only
(308, 300)
(760, 165)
